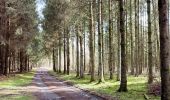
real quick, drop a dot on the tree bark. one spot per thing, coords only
(78, 65)
(65, 69)
(150, 64)
(68, 52)
(132, 54)
(136, 38)
(110, 41)
(91, 45)
(60, 54)
(81, 53)
(101, 76)
(123, 82)
(54, 64)
(164, 49)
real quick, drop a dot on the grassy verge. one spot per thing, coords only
(137, 86)
(11, 88)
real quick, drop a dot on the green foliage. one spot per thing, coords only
(59, 15)
(24, 20)
(36, 48)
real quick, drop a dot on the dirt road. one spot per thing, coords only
(47, 87)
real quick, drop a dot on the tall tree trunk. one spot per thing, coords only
(123, 82)
(156, 33)
(73, 53)
(126, 30)
(136, 38)
(60, 54)
(102, 37)
(150, 64)
(7, 47)
(110, 41)
(119, 48)
(84, 46)
(68, 52)
(2, 31)
(78, 65)
(54, 64)
(6, 72)
(28, 63)
(164, 49)
(81, 53)
(101, 76)
(94, 28)
(21, 60)
(131, 32)
(65, 69)
(91, 45)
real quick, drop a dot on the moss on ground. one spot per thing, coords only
(137, 86)
(9, 88)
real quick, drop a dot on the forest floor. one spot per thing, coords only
(137, 86)
(39, 85)
(15, 87)
(47, 85)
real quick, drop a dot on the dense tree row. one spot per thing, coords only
(114, 38)
(18, 25)
(128, 37)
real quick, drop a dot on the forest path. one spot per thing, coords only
(47, 87)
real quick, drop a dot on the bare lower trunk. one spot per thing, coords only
(54, 64)
(65, 69)
(68, 53)
(101, 77)
(78, 66)
(164, 49)
(150, 80)
(81, 54)
(91, 44)
(60, 55)
(110, 42)
(123, 83)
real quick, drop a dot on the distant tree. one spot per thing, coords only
(78, 61)
(68, 51)
(110, 41)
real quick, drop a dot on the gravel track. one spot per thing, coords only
(47, 87)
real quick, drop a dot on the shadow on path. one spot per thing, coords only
(46, 87)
